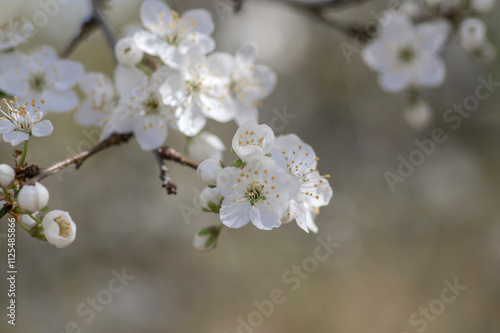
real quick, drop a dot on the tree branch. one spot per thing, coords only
(97, 19)
(78, 159)
(163, 154)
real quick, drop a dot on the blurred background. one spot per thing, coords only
(396, 248)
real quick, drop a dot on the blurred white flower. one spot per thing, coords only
(42, 75)
(204, 241)
(18, 122)
(59, 228)
(127, 53)
(255, 193)
(406, 55)
(253, 141)
(250, 83)
(300, 161)
(32, 198)
(208, 170)
(199, 91)
(205, 146)
(7, 175)
(141, 109)
(14, 32)
(482, 6)
(210, 197)
(418, 114)
(472, 34)
(410, 9)
(170, 35)
(101, 99)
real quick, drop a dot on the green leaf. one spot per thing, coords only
(210, 241)
(213, 207)
(202, 232)
(238, 163)
(4, 211)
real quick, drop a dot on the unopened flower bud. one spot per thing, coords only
(7, 175)
(127, 53)
(210, 199)
(33, 198)
(208, 170)
(206, 239)
(418, 114)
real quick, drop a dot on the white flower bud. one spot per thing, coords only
(28, 221)
(472, 34)
(485, 54)
(7, 175)
(418, 114)
(208, 170)
(482, 6)
(204, 146)
(32, 198)
(410, 9)
(59, 228)
(204, 240)
(127, 53)
(209, 195)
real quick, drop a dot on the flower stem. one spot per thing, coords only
(7, 195)
(25, 152)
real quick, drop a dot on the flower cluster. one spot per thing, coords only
(273, 182)
(28, 203)
(167, 79)
(406, 51)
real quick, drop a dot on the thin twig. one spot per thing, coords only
(168, 153)
(167, 181)
(87, 27)
(104, 24)
(163, 154)
(77, 160)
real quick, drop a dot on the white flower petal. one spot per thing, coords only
(432, 71)
(190, 120)
(43, 128)
(266, 217)
(15, 137)
(59, 101)
(150, 132)
(220, 63)
(6, 126)
(395, 80)
(247, 54)
(206, 43)
(267, 79)
(129, 79)
(253, 141)
(65, 74)
(148, 42)
(234, 214)
(199, 20)
(152, 12)
(433, 35)
(244, 114)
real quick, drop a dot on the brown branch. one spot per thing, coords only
(77, 160)
(163, 154)
(97, 19)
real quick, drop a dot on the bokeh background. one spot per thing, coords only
(396, 248)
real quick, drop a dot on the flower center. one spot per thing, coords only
(254, 194)
(151, 105)
(63, 226)
(406, 55)
(37, 82)
(194, 87)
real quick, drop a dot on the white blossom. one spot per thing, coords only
(250, 83)
(127, 53)
(7, 175)
(199, 90)
(407, 55)
(472, 34)
(101, 99)
(253, 141)
(255, 193)
(14, 32)
(482, 6)
(32, 198)
(20, 121)
(300, 161)
(205, 146)
(419, 114)
(141, 109)
(59, 228)
(170, 35)
(42, 75)
(208, 170)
